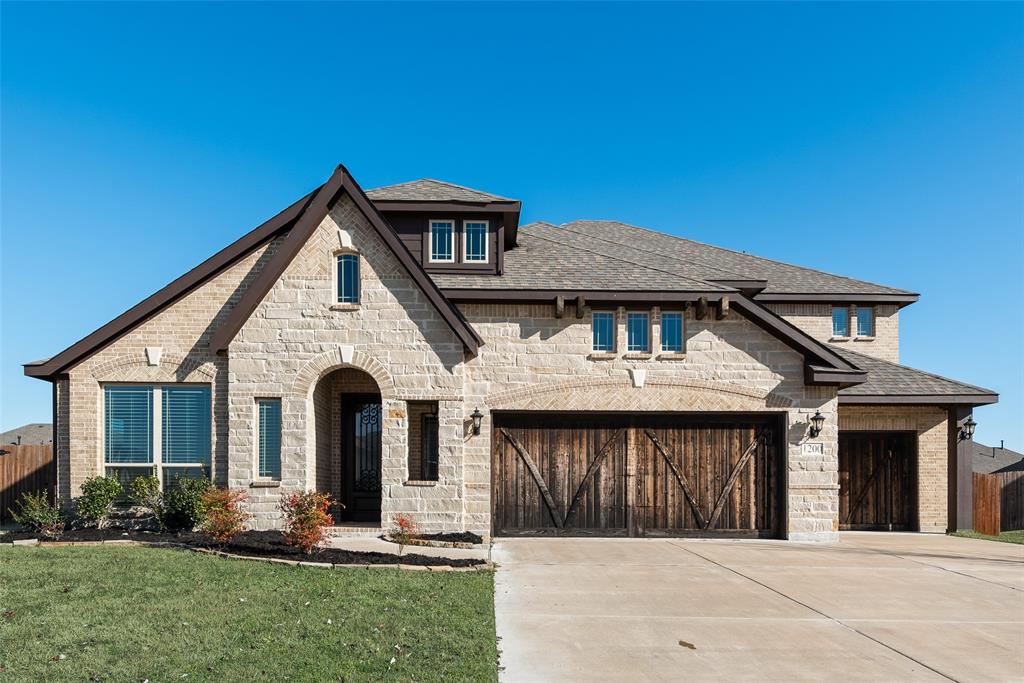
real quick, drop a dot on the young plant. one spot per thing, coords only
(145, 491)
(183, 503)
(306, 519)
(36, 513)
(97, 499)
(225, 517)
(404, 530)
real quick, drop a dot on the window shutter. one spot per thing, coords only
(128, 424)
(186, 425)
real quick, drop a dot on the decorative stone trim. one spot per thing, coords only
(329, 361)
(172, 368)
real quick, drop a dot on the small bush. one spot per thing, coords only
(145, 491)
(225, 517)
(306, 519)
(182, 508)
(404, 530)
(97, 499)
(36, 513)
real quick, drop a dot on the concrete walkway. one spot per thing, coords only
(872, 607)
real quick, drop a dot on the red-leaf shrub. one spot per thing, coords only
(404, 529)
(225, 517)
(306, 519)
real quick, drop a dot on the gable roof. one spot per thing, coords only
(430, 190)
(784, 281)
(156, 302)
(995, 459)
(341, 181)
(889, 382)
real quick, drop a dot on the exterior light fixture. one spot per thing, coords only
(477, 416)
(817, 422)
(967, 430)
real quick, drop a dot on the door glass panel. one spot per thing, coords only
(366, 447)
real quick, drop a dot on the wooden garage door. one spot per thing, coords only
(877, 481)
(633, 475)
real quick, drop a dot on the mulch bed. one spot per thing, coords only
(461, 537)
(265, 544)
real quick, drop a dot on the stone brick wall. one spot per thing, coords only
(932, 453)
(816, 320)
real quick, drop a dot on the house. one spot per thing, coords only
(413, 349)
(996, 459)
(32, 433)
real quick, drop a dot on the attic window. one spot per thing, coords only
(474, 241)
(441, 238)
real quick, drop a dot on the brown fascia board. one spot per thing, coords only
(900, 300)
(919, 399)
(340, 181)
(472, 295)
(172, 292)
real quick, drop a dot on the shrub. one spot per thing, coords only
(182, 508)
(225, 518)
(36, 513)
(404, 530)
(306, 519)
(97, 499)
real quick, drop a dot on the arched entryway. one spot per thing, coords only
(347, 435)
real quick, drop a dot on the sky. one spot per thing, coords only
(880, 141)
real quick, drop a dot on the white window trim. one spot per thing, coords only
(614, 331)
(347, 251)
(430, 243)
(647, 348)
(849, 322)
(682, 332)
(487, 244)
(156, 446)
(855, 323)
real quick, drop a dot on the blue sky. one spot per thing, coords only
(880, 141)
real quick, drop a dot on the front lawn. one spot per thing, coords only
(133, 613)
(1005, 537)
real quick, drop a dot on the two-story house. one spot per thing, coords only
(413, 349)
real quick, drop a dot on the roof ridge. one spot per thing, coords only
(441, 182)
(883, 361)
(743, 253)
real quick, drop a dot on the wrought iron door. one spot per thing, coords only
(361, 431)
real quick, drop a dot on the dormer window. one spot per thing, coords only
(441, 241)
(474, 241)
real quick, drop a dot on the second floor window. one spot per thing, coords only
(348, 279)
(604, 331)
(672, 332)
(865, 321)
(474, 241)
(638, 332)
(441, 238)
(840, 321)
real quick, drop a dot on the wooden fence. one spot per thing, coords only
(27, 468)
(998, 502)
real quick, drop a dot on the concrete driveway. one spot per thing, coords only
(872, 607)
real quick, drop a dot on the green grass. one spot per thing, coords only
(1004, 537)
(132, 613)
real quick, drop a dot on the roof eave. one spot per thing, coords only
(900, 300)
(919, 399)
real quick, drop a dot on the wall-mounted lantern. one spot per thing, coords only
(817, 422)
(477, 417)
(967, 429)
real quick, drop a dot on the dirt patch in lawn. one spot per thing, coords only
(265, 544)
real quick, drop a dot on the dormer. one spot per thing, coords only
(450, 228)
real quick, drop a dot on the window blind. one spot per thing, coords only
(128, 428)
(269, 419)
(186, 425)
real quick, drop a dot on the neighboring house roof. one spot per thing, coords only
(430, 190)
(994, 459)
(34, 433)
(889, 382)
(341, 181)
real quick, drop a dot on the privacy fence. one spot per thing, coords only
(27, 468)
(998, 502)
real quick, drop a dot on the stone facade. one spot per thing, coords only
(816, 320)
(930, 425)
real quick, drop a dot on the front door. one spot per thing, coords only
(361, 431)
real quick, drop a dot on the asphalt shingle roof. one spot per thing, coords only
(33, 433)
(892, 379)
(430, 190)
(549, 258)
(991, 459)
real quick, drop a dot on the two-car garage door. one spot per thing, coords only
(636, 475)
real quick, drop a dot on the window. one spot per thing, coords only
(133, 446)
(672, 332)
(268, 426)
(474, 241)
(604, 331)
(840, 321)
(638, 327)
(423, 443)
(865, 321)
(441, 241)
(348, 278)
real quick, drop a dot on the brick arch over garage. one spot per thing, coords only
(329, 361)
(619, 394)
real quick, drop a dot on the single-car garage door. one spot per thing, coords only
(877, 481)
(635, 475)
